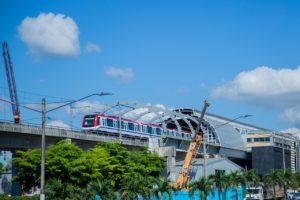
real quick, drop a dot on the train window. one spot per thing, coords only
(149, 129)
(130, 126)
(122, 125)
(103, 122)
(89, 121)
(138, 128)
(158, 131)
(110, 122)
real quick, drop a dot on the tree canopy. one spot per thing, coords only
(69, 165)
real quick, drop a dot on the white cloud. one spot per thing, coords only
(148, 115)
(263, 85)
(86, 107)
(50, 34)
(160, 106)
(125, 75)
(291, 115)
(58, 124)
(293, 131)
(92, 48)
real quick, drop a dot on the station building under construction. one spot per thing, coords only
(231, 145)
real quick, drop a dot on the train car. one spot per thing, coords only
(110, 124)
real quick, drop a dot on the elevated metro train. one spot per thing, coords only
(110, 124)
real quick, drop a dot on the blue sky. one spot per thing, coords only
(177, 53)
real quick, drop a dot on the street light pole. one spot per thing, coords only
(233, 120)
(43, 145)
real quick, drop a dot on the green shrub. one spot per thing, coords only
(6, 197)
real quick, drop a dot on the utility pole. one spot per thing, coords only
(43, 145)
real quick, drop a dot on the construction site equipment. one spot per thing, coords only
(184, 176)
(11, 84)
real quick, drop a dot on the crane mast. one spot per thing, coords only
(184, 176)
(11, 84)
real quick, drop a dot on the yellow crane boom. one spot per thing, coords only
(184, 176)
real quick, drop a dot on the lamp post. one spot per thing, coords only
(232, 120)
(43, 142)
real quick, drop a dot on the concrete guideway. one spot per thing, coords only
(15, 136)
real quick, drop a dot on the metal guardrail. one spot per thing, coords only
(64, 133)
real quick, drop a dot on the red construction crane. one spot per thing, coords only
(11, 84)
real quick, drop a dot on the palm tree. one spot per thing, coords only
(294, 184)
(135, 186)
(221, 182)
(203, 185)
(103, 188)
(251, 178)
(272, 179)
(285, 179)
(163, 186)
(235, 180)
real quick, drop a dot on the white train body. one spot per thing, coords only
(110, 124)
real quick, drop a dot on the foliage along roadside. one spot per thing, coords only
(71, 170)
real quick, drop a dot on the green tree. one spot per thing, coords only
(72, 168)
(1, 167)
(135, 185)
(272, 179)
(104, 188)
(28, 163)
(56, 189)
(294, 184)
(285, 179)
(204, 186)
(236, 179)
(251, 179)
(164, 189)
(221, 182)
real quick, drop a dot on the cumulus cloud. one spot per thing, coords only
(50, 34)
(92, 48)
(148, 116)
(293, 131)
(58, 124)
(263, 85)
(125, 75)
(266, 87)
(291, 115)
(86, 107)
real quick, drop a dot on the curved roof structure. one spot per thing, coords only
(217, 130)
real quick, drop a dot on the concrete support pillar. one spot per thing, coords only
(15, 186)
(170, 154)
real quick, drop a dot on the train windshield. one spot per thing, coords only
(89, 121)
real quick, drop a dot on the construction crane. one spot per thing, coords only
(184, 176)
(11, 84)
